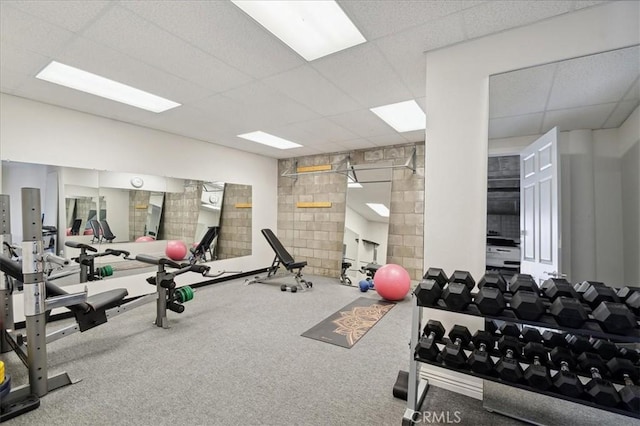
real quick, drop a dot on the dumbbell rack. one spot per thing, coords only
(417, 388)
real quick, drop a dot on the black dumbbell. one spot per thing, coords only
(489, 300)
(599, 390)
(530, 334)
(558, 287)
(624, 370)
(564, 304)
(509, 329)
(578, 344)
(453, 353)
(629, 353)
(463, 277)
(537, 374)
(633, 302)
(523, 282)
(429, 290)
(493, 280)
(427, 347)
(596, 294)
(552, 339)
(566, 382)
(604, 348)
(627, 291)
(582, 287)
(526, 304)
(615, 317)
(508, 367)
(456, 296)
(480, 359)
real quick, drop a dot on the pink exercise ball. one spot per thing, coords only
(176, 250)
(144, 239)
(392, 282)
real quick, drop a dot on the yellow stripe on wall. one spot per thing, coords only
(315, 204)
(243, 205)
(307, 169)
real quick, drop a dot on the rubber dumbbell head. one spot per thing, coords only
(453, 353)
(537, 374)
(509, 329)
(598, 294)
(456, 296)
(614, 317)
(508, 367)
(627, 291)
(463, 277)
(628, 353)
(599, 390)
(558, 287)
(493, 279)
(624, 369)
(437, 275)
(489, 301)
(522, 282)
(427, 347)
(530, 334)
(552, 339)
(428, 292)
(480, 359)
(527, 305)
(578, 344)
(568, 312)
(633, 302)
(604, 348)
(566, 382)
(582, 287)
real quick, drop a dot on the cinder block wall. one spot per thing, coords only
(235, 222)
(316, 234)
(138, 203)
(180, 213)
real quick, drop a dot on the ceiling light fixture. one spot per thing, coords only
(84, 81)
(312, 28)
(381, 209)
(402, 116)
(269, 140)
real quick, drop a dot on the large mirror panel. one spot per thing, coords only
(366, 218)
(593, 101)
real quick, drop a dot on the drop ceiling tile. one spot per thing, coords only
(73, 15)
(223, 109)
(582, 4)
(31, 33)
(414, 136)
(634, 92)
(405, 50)
(620, 114)
(308, 87)
(381, 18)
(126, 32)
(314, 132)
(363, 123)
(520, 92)
(357, 144)
(223, 30)
(15, 59)
(102, 60)
(595, 79)
(386, 140)
(494, 16)
(330, 147)
(515, 126)
(589, 117)
(10, 80)
(364, 73)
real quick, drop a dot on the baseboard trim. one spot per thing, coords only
(452, 381)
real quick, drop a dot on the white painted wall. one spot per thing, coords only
(117, 201)
(456, 106)
(34, 132)
(368, 230)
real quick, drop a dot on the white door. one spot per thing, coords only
(539, 208)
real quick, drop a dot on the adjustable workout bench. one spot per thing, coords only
(285, 259)
(206, 244)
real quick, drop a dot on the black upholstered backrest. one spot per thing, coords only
(277, 247)
(106, 230)
(208, 237)
(75, 228)
(95, 227)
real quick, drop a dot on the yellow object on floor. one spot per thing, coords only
(1, 372)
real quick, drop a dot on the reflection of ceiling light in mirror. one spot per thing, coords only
(402, 116)
(269, 140)
(209, 206)
(352, 183)
(312, 28)
(381, 209)
(84, 81)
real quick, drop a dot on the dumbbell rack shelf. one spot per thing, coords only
(590, 328)
(417, 388)
(532, 389)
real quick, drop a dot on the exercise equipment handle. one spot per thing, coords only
(49, 257)
(118, 253)
(157, 260)
(11, 267)
(75, 244)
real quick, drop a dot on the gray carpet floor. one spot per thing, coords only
(235, 356)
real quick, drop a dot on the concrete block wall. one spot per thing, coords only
(235, 222)
(180, 213)
(138, 204)
(316, 234)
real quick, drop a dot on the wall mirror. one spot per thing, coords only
(366, 217)
(160, 208)
(589, 99)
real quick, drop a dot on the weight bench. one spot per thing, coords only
(283, 258)
(199, 252)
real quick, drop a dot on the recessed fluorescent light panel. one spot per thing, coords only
(312, 28)
(84, 81)
(402, 116)
(270, 140)
(381, 209)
